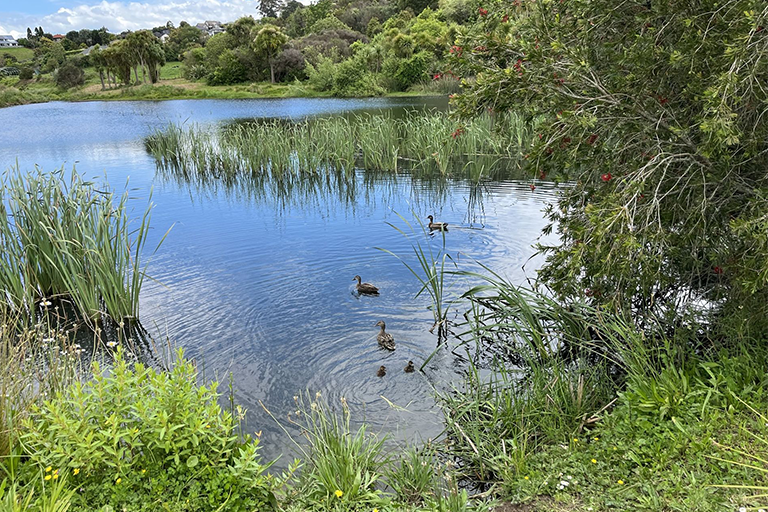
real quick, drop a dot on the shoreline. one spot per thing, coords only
(174, 89)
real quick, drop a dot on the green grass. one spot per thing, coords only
(21, 54)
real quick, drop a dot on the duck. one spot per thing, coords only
(385, 339)
(382, 371)
(433, 226)
(366, 288)
(409, 367)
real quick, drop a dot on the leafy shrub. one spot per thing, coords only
(136, 437)
(321, 75)
(69, 75)
(403, 73)
(352, 78)
(329, 23)
(26, 73)
(229, 71)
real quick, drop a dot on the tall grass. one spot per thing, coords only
(421, 143)
(68, 244)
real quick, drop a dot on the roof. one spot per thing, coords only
(58, 36)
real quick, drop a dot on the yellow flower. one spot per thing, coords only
(621, 482)
(48, 469)
(595, 438)
(615, 448)
(47, 477)
(575, 440)
(118, 480)
(143, 471)
(526, 477)
(375, 510)
(75, 471)
(55, 476)
(594, 461)
(339, 493)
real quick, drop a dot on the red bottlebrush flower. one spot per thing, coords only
(542, 175)
(662, 100)
(437, 76)
(592, 138)
(483, 12)
(566, 140)
(606, 177)
(505, 18)
(456, 50)
(480, 48)
(717, 270)
(549, 151)
(540, 136)
(588, 292)
(458, 132)
(759, 29)
(533, 187)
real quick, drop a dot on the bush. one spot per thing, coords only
(403, 73)
(135, 434)
(229, 71)
(321, 76)
(26, 73)
(352, 78)
(69, 75)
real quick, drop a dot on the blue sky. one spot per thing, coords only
(117, 15)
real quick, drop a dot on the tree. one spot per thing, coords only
(653, 113)
(146, 52)
(270, 8)
(268, 42)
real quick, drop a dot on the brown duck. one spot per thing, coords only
(382, 371)
(385, 339)
(435, 226)
(409, 368)
(366, 288)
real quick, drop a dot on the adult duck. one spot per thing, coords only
(435, 226)
(366, 288)
(385, 339)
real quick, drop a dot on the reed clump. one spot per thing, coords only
(70, 248)
(422, 143)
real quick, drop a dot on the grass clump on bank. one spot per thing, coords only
(69, 246)
(581, 410)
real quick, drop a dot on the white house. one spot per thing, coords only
(8, 42)
(211, 28)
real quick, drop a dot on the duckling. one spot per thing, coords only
(366, 288)
(409, 367)
(434, 226)
(382, 371)
(385, 339)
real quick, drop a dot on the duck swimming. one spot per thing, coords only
(409, 367)
(434, 226)
(366, 288)
(382, 371)
(385, 339)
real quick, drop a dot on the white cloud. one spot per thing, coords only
(119, 16)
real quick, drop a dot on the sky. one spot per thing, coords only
(61, 16)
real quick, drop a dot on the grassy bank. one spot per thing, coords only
(171, 86)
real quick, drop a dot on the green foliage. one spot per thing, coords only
(328, 23)
(229, 70)
(660, 140)
(402, 73)
(75, 241)
(352, 78)
(343, 464)
(143, 439)
(69, 75)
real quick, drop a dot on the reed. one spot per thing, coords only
(69, 245)
(423, 143)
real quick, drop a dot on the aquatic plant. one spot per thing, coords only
(425, 144)
(69, 247)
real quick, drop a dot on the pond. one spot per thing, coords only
(260, 286)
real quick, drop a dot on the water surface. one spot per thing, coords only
(260, 286)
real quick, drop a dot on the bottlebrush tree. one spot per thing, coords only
(653, 115)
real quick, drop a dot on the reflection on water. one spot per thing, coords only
(255, 277)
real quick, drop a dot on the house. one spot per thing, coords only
(58, 37)
(8, 42)
(210, 28)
